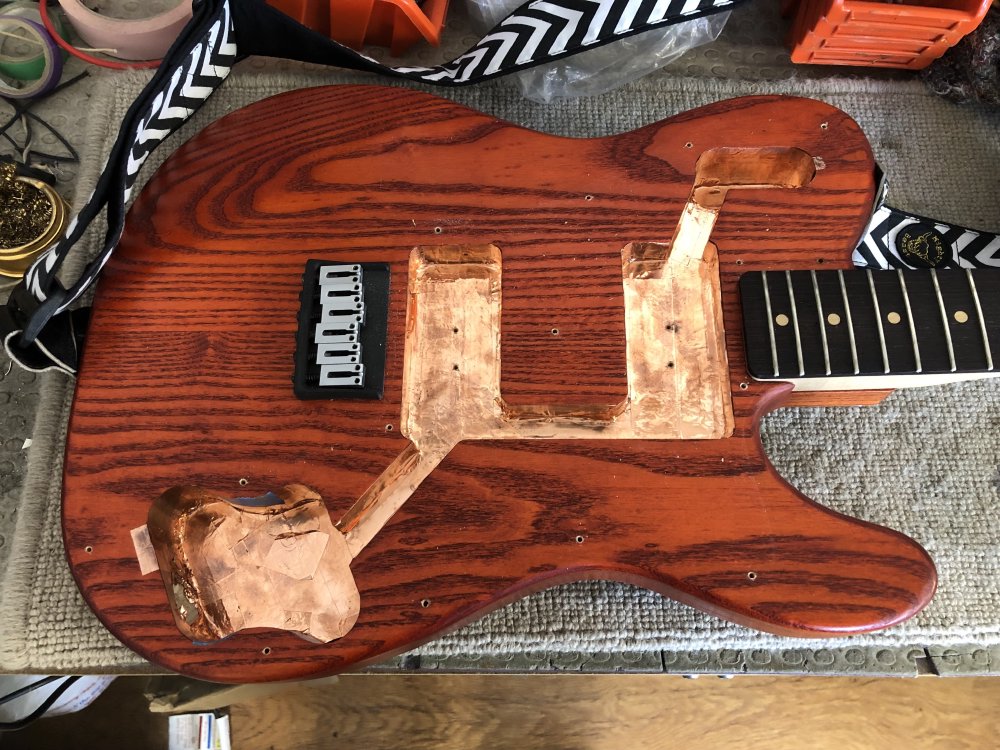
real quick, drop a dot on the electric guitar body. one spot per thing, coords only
(557, 465)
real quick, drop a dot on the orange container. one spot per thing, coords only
(396, 24)
(881, 34)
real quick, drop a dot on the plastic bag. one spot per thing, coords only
(604, 68)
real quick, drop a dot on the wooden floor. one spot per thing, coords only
(625, 712)
(567, 711)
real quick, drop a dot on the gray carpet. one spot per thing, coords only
(925, 462)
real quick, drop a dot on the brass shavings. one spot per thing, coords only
(25, 212)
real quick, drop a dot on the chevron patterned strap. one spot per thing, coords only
(37, 328)
(897, 239)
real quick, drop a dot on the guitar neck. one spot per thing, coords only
(845, 330)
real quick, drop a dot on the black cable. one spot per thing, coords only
(70, 82)
(8, 125)
(22, 109)
(73, 158)
(28, 688)
(13, 726)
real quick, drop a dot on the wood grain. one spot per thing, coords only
(186, 376)
(598, 712)
(835, 398)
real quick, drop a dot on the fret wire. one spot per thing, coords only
(982, 320)
(850, 323)
(878, 317)
(822, 322)
(795, 323)
(770, 323)
(944, 319)
(909, 317)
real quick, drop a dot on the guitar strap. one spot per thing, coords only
(899, 239)
(39, 330)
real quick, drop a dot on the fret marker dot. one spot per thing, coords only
(893, 317)
(961, 316)
(781, 319)
(833, 319)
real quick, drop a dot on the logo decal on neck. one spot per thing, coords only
(922, 245)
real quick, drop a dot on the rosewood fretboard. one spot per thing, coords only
(814, 324)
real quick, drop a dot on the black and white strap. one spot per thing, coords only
(898, 239)
(38, 329)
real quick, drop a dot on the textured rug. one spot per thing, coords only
(925, 462)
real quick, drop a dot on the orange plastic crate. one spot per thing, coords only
(882, 34)
(396, 24)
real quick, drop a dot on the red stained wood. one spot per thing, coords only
(186, 375)
(835, 398)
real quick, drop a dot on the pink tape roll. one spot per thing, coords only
(134, 39)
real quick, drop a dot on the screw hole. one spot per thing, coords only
(824, 125)
(752, 576)
(670, 365)
(266, 650)
(689, 145)
(588, 197)
(425, 603)
(454, 330)
(555, 331)
(739, 261)
(820, 261)
(388, 428)
(88, 549)
(744, 386)
(438, 230)
(244, 482)
(579, 540)
(455, 368)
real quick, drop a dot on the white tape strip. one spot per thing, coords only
(144, 551)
